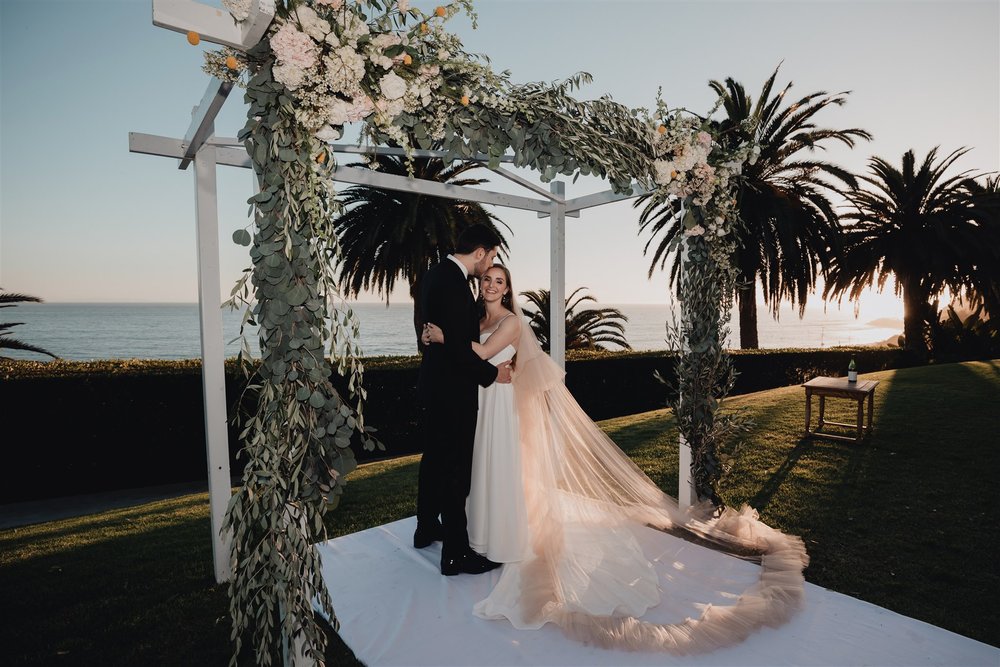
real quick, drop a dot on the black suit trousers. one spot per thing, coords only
(445, 475)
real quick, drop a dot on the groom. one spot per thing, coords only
(448, 400)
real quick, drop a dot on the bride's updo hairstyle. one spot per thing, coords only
(507, 300)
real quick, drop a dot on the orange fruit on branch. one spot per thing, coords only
(193, 38)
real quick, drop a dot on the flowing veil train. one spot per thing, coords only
(588, 574)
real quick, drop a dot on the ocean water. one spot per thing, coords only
(91, 331)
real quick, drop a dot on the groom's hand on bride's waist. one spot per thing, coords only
(504, 372)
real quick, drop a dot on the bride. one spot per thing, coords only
(558, 503)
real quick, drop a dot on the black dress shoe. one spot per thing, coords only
(468, 563)
(426, 535)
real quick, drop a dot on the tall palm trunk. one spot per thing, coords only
(915, 311)
(746, 300)
(747, 303)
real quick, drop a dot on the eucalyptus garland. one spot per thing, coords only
(298, 443)
(396, 70)
(704, 369)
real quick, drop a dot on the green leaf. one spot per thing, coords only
(317, 400)
(242, 237)
(297, 295)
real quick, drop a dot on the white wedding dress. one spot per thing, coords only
(498, 520)
(582, 499)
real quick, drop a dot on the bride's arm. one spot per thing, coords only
(507, 333)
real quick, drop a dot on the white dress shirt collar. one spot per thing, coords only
(465, 271)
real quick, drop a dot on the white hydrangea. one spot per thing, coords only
(697, 230)
(339, 111)
(386, 110)
(290, 76)
(311, 23)
(392, 86)
(665, 171)
(361, 107)
(345, 68)
(293, 47)
(352, 27)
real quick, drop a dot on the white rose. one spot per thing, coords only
(402, 5)
(392, 86)
(328, 134)
(336, 112)
(697, 230)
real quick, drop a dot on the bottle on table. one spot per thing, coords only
(852, 371)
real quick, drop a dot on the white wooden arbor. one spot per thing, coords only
(206, 151)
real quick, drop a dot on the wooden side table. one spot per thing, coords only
(859, 391)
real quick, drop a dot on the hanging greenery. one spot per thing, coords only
(326, 63)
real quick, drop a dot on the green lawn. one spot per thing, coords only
(906, 521)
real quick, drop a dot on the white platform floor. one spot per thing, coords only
(395, 608)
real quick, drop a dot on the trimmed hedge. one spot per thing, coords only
(98, 426)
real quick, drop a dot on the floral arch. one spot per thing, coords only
(321, 64)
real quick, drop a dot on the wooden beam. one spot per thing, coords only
(213, 357)
(151, 144)
(203, 119)
(601, 198)
(378, 179)
(214, 24)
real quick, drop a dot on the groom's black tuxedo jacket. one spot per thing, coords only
(449, 373)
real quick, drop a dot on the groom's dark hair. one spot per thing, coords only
(476, 236)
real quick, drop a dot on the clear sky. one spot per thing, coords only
(82, 219)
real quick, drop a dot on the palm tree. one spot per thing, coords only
(788, 224)
(986, 200)
(386, 235)
(586, 329)
(9, 300)
(922, 228)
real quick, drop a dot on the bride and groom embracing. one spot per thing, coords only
(520, 476)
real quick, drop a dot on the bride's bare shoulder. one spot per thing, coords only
(510, 319)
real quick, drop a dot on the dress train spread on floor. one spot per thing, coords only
(585, 570)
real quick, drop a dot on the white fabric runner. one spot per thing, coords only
(395, 608)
